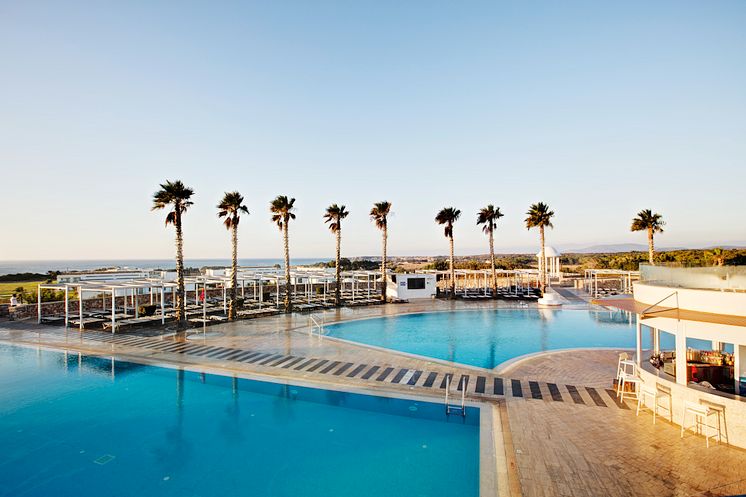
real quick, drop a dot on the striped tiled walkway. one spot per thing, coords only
(477, 386)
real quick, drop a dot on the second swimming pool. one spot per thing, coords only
(486, 338)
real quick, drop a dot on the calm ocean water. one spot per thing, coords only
(13, 267)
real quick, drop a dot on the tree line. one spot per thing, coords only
(176, 197)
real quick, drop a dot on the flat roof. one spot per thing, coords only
(647, 312)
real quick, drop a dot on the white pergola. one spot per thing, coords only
(132, 289)
(250, 281)
(625, 278)
(516, 279)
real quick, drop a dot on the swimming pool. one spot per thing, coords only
(486, 338)
(86, 426)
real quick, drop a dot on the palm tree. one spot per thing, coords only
(447, 216)
(334, 215)
(231, 208)
(717, 255)
(379, 214)
(539, 216)
(177, 197)
(282, 212)
(653, 223)
(488, 216)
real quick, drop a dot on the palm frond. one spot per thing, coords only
(646, 220)
(539, 216)
(447, 216)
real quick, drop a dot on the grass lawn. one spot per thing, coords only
(7, 289)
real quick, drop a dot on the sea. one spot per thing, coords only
(42, 267)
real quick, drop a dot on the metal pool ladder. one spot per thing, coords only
(316, 324)
(455, 408)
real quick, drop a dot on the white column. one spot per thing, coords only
(739, 365)
(67, 306)
(163, 309)
(657, 340)
(80, 306)
(680, 357)
(38, 305)
(113, 308)
(638, 342)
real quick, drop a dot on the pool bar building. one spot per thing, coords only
(695, 370)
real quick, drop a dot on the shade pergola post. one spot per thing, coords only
(113, 309)
(38, 305)
(80, 306)
(67, 306)
(135, 303)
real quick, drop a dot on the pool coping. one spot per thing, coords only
(505, 367)
(491, 425)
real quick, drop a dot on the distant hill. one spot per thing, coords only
(618, 247)
(640, 247)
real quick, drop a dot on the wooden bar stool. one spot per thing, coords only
(701, 415)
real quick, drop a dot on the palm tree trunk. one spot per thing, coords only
(286, 241)
(542, 261)
(234, 270)
(453, 272)
(180, 311)
(492, 264)
(383, 264)
(337, 269)
(651, 246)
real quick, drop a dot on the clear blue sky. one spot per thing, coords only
(599, 109)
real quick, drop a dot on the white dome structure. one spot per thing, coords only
(551, 261)
(549, 252)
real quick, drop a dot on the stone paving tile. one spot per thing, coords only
(561, 446)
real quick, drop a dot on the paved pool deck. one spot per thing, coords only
(558, 428)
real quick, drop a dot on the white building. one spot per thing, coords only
(408, 286)
(696, 318)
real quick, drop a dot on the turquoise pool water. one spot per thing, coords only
(90, 427)
(486, 338)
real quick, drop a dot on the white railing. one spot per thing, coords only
(721, 278)
(316, 325)
(455, 407)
